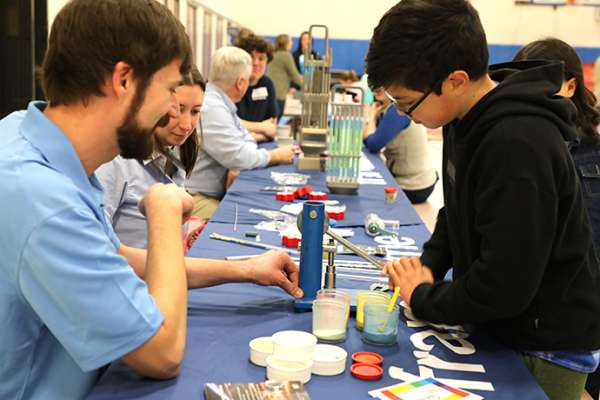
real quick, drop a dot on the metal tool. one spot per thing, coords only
(372, 250)
(260, 245)
(375, 226)
(357, 250)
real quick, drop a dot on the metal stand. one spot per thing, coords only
(315, 98)
(345, 143)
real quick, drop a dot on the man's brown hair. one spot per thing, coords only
(88, 37)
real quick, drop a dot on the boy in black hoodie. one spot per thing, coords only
(513, 228)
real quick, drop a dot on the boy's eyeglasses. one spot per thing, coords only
(408, 111)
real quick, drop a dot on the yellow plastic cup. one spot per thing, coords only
(368, 296)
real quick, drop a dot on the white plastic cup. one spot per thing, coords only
(294, 345)
(330, 317)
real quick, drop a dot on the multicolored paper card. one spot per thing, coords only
(423, 389)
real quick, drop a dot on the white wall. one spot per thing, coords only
(507, 23)
(54, 7)
(504, 22)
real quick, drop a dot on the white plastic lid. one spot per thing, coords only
(294, 345)
(288, 370)
(260, 349)
(329, 360)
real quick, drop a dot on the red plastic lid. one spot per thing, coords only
(367, 357)
(367, 372)
(317, 196)
(292, 242)
(285, 196)
(390, 189)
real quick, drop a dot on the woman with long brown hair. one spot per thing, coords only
(175, 150)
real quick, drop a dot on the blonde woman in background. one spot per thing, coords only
(282, 70)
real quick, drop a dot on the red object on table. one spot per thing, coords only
(337, 215)
(367, 357)
(290, 241)
(318, 196)
(285, 196)
(303, 192)
(366, 372)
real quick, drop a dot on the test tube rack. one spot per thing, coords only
(315, 99)
(345, 143)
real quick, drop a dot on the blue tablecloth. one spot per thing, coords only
(410, 239)
(222, 320)
(246, 193)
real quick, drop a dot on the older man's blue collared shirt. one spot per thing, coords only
(225, 145)
(68, 302)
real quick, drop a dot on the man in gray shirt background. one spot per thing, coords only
(225, 143)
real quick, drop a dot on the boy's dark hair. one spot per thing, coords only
(188, 151)
(256, 43)
(88, 37)
(588, 118)
(418, 43)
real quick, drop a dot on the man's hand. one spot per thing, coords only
(232, 174)
(408, 273)
(168, 196)
(275, 268)
(282, 155)
(269, 127)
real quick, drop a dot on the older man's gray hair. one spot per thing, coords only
(227, 65)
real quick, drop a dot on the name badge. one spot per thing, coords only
(259, 93)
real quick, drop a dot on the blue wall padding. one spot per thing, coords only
(350, 53)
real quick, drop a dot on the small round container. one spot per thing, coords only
(260, 349)
(334, 294)
(391, 193)
(366, 372)
(381, 326)
(329, 360)
(368, 296)
(330, 318)
(282, 370)
(367, 357)
(294, 345)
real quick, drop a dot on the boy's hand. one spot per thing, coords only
(408, 273)
(275, 268)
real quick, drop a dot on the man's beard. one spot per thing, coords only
(135, 141)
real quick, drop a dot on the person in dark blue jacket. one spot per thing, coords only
(586, 148)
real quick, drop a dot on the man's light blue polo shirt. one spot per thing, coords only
(69, 304)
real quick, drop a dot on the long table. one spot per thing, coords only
(222, 320)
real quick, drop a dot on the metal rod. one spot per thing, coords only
(363, 278)
(357, 250)
(218, 236)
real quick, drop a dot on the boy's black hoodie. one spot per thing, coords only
(514, 227)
